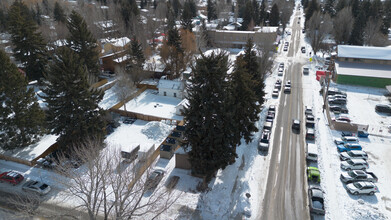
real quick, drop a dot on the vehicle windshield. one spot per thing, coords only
(264, 141)
(44, 186)
(352, 174)
(357, 184)
(350, 162)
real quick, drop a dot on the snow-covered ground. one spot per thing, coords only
(150, 103)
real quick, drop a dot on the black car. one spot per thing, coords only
(338, 109)
(316, 199)
(264, 141)
(296, 124)
(272, 109)
(337, 101)
(383, 108)
(303, 49)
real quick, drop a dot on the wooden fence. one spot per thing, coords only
(154, 87)
(99, 84)
(16, 160)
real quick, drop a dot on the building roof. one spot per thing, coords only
(170, 84)
(375, 53)
(363, 69)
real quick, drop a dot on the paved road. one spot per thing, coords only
(286, 189)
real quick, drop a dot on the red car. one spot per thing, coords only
(11, 177)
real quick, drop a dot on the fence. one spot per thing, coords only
(16, 160)
(121, 103)
(99, 84)
(154, 87)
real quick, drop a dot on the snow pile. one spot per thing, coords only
(156, 130)
(364, 211)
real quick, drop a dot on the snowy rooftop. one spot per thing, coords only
(268, 29)
(375, 53)
(104, 24)
(150, 103)
(120, 42)
(143, 133)
(30, 152)
(170, 84)
(363, 69)
(121, 59)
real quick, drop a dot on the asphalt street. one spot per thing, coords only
(286, 189)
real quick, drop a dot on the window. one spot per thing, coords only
(165, 93)
(174, 94)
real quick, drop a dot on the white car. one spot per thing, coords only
(354, 164)
(37, 187)
(362, 188)
(353, 154)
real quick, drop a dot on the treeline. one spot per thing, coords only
(352, 22)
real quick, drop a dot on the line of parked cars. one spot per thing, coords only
(264, 141)
(337, 103)
(357, 179)
(31, 186)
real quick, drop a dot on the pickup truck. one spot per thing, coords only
(358, 175)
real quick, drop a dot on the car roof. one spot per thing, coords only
(357, 152)
(365, 183)
(359, 172)
(13, 174)
(316, 192)
(358, 161)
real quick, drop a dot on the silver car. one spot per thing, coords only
(37, 187)
(354, 164)
(362, 188)
(354, 154)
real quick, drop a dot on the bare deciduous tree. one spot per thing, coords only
(343, 25)
(265, 52)
(319, 27)
(108, 187)
(124, 86)
(372, 34)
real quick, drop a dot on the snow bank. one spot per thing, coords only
(156, 130)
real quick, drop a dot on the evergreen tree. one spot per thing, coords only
(3, 20)
(262, 13)
(204, 34)
(59, 14)
(21, 118)
(29, 45)
(356, 38)
(274, 19)
(355, 4)
(73, 111)
(329, 8)
(136, 53)
(174, 39)
(193, 8)
(129, 11)
(38, 14)
(248, 16)
(375, 11)
(255, 12)
(340, 5)
(176, 7)
(187, 16)
(312, 7)
(83, 43)
(211, 8)
(252, 66)
(46, 7)
(208, 123)
(245, 105)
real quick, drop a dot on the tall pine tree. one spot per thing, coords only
(136, 53)
(211, 8)
(274, 19)
(245, 104)
(83, 43)
(187, 15)
(29, 45)
(58, 13)
(73, 112)
(208, 123)
(21, 118)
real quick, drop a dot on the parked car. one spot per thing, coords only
(129, 120)
(354, 164)
(280, 72)
(277, 86)
(11, 177)
(264, 141)
(308, 110)
(303, 49)
(342, 119)
(353, 154)
(309, 117)
(362, 134)
(357, 188)
(172, 182)
(267, 126)
(316, 200)
(310, 134)
(338, 109)
(282, 65)
(270, 117)
(383, 108)
(346, 133)
(154, 178)
(348, 147)
(358, 175)
(337, 101)
(296, 124)
(313, 174)
(272, 108)
(285, 48)
(333, 91)
(275, 93)
(345, 140)
(312, 152)
(338, 96)
(306, 70)
(36, 187)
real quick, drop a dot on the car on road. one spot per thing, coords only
(285, 48)
(264, 141)
(310, 134)
(316, 200)
(303, 49)
(296, 124)
(11, 177)
(357, 188)
(353, 154)
(154, 178)
(275, 93)
(354, 164)
(383, 108)
(313, 174)
(338, 109)
(348, 147)
(287, 89)
(306, 70)
(36, 187)
(358, 175)
(345, 140)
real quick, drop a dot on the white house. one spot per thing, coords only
(179, 108)
(173, 88)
